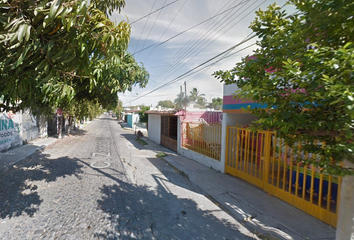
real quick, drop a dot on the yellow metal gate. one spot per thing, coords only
(265, 161)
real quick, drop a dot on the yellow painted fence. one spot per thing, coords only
(265, 161)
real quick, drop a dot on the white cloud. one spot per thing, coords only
(175, 57)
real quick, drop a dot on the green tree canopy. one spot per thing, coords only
(303, 71)
(61, 52)
(166, 104)
(195, 95)
(181, 101)
(216, 103)
(143, 117)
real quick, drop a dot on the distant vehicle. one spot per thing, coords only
(114, 115)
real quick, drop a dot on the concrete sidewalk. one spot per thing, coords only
(266, 215)
(9, 158)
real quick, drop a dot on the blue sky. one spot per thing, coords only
(166, 62)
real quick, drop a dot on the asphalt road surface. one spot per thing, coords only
(102, 184)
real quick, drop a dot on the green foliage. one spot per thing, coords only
(143, 118)
(62, 52)
(161, 154)
(118, 109)
(200, 103)
(166, 104)
(181, 101)
(141, 141)
(303, 71)
(216, 103)
(197, 98)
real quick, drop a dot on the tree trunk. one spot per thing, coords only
(59, 126)
(345, 224)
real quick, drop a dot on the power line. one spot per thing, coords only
(153, 12)
(152, 27)
(192, 49)
(171, 62)
(169, 39)
(137, 44)
(167, 28)
(186, 51)
(188, 73)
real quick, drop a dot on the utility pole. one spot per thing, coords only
(181, 96)
(185, 94)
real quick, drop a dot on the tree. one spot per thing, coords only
(303, 71)
(216, 103)
(142, 116)
(195, 95)
(200, 103)
(197, 98)
(61, 52)
(181, 101)
(166, 104)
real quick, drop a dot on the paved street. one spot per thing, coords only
(102, 184)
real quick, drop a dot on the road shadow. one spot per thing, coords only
(143, 212)
(132, 139)
(19, 195)
(77, 132)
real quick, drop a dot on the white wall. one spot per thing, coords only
(154, 128)
(29, 127)
(230, 89)
(202, 159)
(345, 225)
(10, 130)
(231, 119)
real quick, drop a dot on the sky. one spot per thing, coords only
(179, 41)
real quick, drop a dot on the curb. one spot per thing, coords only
(19, 161)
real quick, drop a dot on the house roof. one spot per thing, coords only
(132, 111)
(162, 112)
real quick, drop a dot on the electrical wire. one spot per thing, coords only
(190, 72)
(180, 54)
(171, 62)
(167, 28)
(158, 15)
(180, 33)
(153, 12)
(137, 44)
(192, 49)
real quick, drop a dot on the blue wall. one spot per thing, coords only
(130, 121)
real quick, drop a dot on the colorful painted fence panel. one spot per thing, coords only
(265, 161)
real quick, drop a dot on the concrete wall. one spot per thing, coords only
(230, 89)
(19, 128)
(202, 159)
(30, 129)
(231, 119)
(10, 130)
(345, 225)
(154, 128)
